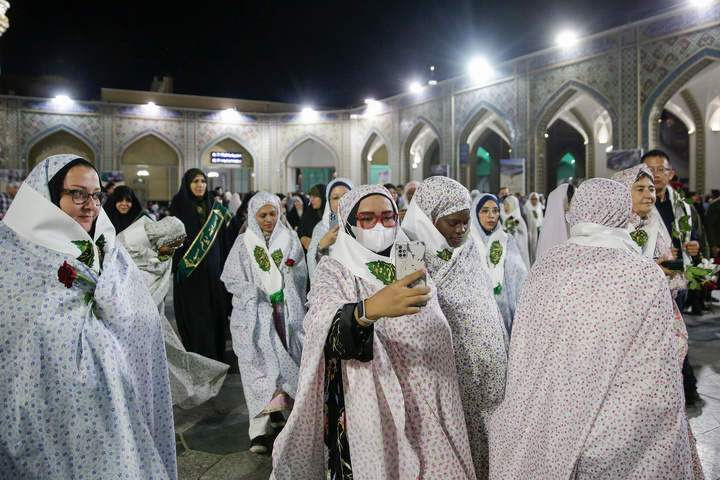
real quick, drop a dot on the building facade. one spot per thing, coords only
(562, 114)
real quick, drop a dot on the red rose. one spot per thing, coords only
(708, 287)
(67, 274)
(289, 262)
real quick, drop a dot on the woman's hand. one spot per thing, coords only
(662, 259)
(397, 299)
(329, 238)
(674, 253)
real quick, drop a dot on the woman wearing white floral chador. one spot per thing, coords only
(83, 360)
(266, 274)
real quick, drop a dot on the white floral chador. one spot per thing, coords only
(402, 408)
(267, 281)
(514, 224)
(594, 388)
(323, 227)
(193, 378)
(504, 268)
(479, 337)
(85, 385)
(534, 220)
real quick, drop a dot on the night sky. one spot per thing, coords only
(319, 53)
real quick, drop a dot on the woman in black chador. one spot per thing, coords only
(122, 207)
(200, 298)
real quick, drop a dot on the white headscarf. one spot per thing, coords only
(327, 214)
(556, 229)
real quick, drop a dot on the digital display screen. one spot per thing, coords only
(231, 158)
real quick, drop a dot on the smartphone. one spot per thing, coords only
(409, 258)
(333, 220)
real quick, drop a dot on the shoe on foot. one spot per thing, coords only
(692, 397)
(258, 445)
(277, 419)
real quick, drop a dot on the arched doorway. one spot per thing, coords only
(58, 142)
(576, 121)
(565, 151)
(375, 160)
(683, 120)
(229, 165)
(421, 153)
(309, 162)
(150, 165)
(487, 138)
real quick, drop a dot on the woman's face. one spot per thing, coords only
(534, 200)
(409, 193)
(643, 196)
(198, 185)
(336, 195)
(316, 202)
(453, 226)
(298, 205)
(376, 204)
(123, 206)
(488, 215)
(267, 217)
(507, 206)
(81, 178)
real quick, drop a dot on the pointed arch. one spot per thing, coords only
(130, 141)
(367, 142)
(226, 136)
(406, 159)
(674, 83)
(57, 129)
(485, 116)
(288, 169)
(537, 175)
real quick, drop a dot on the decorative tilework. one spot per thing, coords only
(628, 127)
(144, 112)
(321, 117)
(217, 117)
(691, 19)
(699, 139)
(75, 107)
(589, 149)
(592, 47)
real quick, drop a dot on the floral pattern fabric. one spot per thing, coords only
(514, 267)
(593, 345)
(90, 394)
(479, 336)
(520, 231)
(402, 409)
(268, 363)
(193, 378)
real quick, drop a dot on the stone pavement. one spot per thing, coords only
(212, 442)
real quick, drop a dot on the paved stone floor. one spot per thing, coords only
(212, 441)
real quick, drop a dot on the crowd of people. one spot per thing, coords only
(541, 338)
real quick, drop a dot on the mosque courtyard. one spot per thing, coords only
(212, 440)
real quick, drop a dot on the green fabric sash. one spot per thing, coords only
(205, 239)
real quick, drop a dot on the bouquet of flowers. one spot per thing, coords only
(510, 225)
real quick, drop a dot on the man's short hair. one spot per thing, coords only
(655, 153)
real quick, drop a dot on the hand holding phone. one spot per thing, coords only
(397, 299)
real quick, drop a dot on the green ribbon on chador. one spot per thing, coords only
(205, 239)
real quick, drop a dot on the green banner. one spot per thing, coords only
(205, 239)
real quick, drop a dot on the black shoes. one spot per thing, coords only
(277, 420)
(258, 444)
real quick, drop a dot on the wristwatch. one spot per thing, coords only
(361, 313)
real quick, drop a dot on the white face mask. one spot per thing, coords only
(375, 239)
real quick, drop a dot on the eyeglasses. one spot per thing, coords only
(488, 211)
(79, 197)
(659, 170)
(369, 220)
